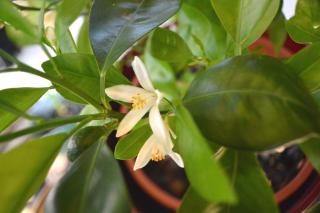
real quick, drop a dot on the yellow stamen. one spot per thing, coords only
(138, 102)
(157, 156)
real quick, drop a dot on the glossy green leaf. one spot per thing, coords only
(170, 47)
(129, 146)
(162, 74)
(304, 27)
(246, 20)
(10, 15)
(67, 13)
(201, 29)
(277, 31)
(21, 99)
(250, 185)
(87, 136)
(83, 72)
(311, 149)
(21, 175)
(117, 25)
(204, 173)
(236, 102)
(93, 183)
(306, 63)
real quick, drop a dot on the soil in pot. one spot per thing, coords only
(280, 168)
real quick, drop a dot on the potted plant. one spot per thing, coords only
(202, 100)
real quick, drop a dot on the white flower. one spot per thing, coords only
(143, 100)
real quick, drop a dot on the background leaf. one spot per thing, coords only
(244, 96)
(67, 13)
(162, 74)
(93, 183)
(306, 64)
(249, 181)
(201, 29)
(245, 20)
(21, 175)
(169, 46)
(82, 71)
(84, 45)
(117, 25)
(204, 173)
(304, 27)
(19, 98)
(311, 149)
(277, 31)
(9, 14)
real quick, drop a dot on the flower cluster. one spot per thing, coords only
(143, 100)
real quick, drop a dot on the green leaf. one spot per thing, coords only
(306, 63)
(236, 102)
(19, 98)
(21, 175)
(304, 27)
(93, 183)
(314, 209)
(170, 47)
(82, 71)
(249, 181)
(9, 14)
(67, 13)
(311, 149)
(277, 31)
(84, 45)
(201, 29)
(117, 25)
(129, 146)
(204, 173)
(193, 202)
(162, 75)
(245, 20)
(87, 136)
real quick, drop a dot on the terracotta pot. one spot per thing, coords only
(171, 202)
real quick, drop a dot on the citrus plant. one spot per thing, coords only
(202, 99)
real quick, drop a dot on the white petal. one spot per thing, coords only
(157, 125)
(131, 119)
(125, 92)
(145, 153)
(142, 74)
(177, 158)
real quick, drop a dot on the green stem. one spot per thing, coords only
(9, 70)
(237, 49)
(102, 88)
(50, 125)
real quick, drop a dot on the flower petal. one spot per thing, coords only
(145, 153)
(131, 119)
(157, 125)
(125, 92)
(142, 74)
(177, 158)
